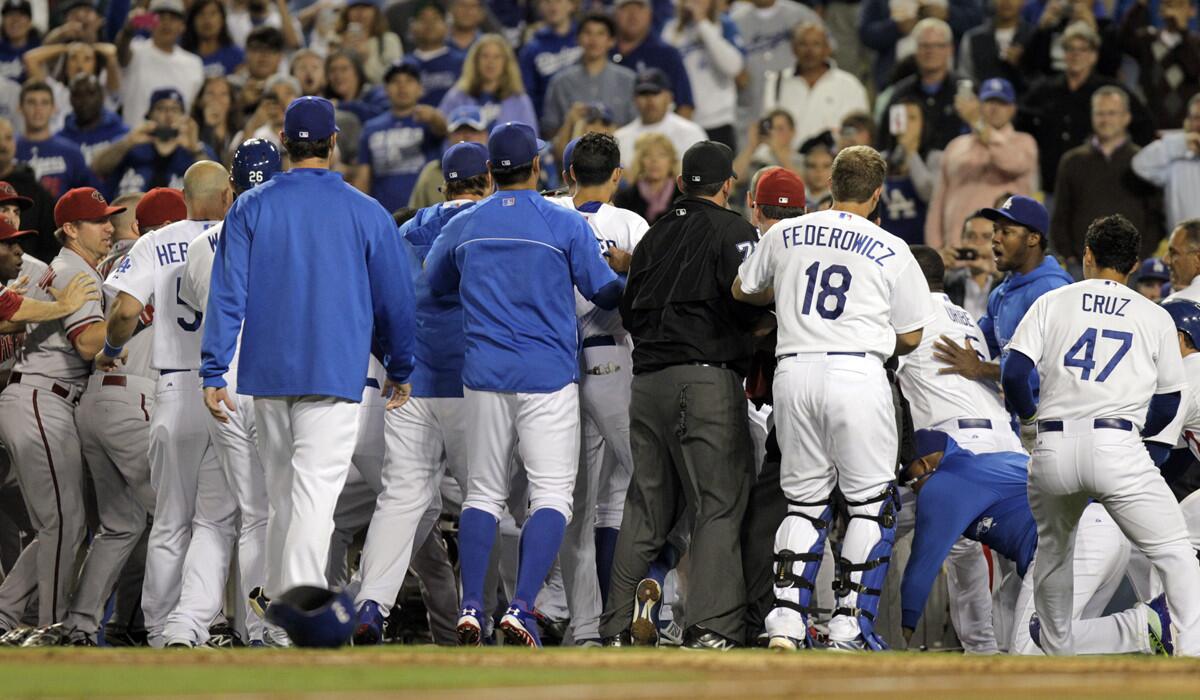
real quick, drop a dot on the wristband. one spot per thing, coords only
(1032, 420)
(111, 352)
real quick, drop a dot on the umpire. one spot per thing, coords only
(688, 426)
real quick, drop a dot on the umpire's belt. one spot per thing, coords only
(1056, 426)
(600, 341)
(67, 392)
(974, 424)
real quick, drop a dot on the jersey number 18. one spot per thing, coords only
(829, 290)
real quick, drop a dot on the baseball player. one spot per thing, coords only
(271, 291)
(521, 365)
(1110, 370)
(192, 535)
(983, 497)
(426, 436)
(254, 162)
(848, 295)
(113, 422)
(37, 408)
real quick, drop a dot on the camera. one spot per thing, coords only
(164, 133)
(966, 254)
(764, 126)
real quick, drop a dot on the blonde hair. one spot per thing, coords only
(647, 142)
(471, 81)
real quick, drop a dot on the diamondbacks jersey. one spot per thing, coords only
(1101, 351)
(842, 284)
(49, 350)
(614, 228)
(936, 398)
(10, 343)
(153, 273)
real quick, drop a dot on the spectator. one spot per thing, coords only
(41, 215)
(155, 63)
(858, 129)
(308, 67)
(82, 22)
(267, 120)
(911, 176)
(933, 87)
(17, 35)
(1152, 275)
(551, 49)
(816, 93)
(157, 152)
(1097, 178)
(363, 32)
(712, 55)
(978, 167)
(242, 20)
(439, 63)
(217, 114)
(971, 267)
(206, 34)
(652, 97)
(1044, 55)
(768, 143)
(1168, 58)
(652, 172)
(817, 170)
(593, 116)
(638, 48)
(1173, 163)
(594, 79)
(889, 27)
(73, 60)
(347, 87)
(1183, 257)
(395, 146)
(1057, 110)
(57, 162)
(464, 124)
(491, 81)
(466, 19)
(766, 30)
(994, 48)
(264, 58)
(90, 125)
(841, 16)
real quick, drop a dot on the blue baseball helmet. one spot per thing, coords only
(254, 162)
(1186, 315)
(313, 616)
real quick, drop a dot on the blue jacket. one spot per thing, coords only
(310, 264)
(656, 53)
(979, 496)
(438, 360)
(515, 258)
(110, 129)
(542, 57)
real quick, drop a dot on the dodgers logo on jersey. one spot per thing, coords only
(126, 263)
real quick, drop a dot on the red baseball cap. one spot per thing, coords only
(780, 187)
(9, 194)
(9, 232)
(82, 204)
(161, 205)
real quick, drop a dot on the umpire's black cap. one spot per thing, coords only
(707, 162)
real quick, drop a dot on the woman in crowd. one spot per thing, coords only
(655, 165)
(57, 64)
(491, 81)
(219, 118)
(346, 86)
(363, 31)
(17, 35)
(709, 45)
(207, 36)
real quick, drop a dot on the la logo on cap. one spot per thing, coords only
(1008, 203)
(505, 163)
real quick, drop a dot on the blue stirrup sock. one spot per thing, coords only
(541, 536)
(476, 534)
(606, 549)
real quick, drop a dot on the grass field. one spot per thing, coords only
(429, 672)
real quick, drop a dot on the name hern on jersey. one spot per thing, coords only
(843, 239)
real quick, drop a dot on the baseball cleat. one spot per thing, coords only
(1035, 630)
(700, 638)
(116, 638)
(670, 634)
(520, 628)
(369, 630)
(470, 628)
(856, 644)
(223, 636)
(259, 601)
(179, 644)
(644, 629)
(1158, 618)
(619, 640)
(57, 635)
(16, 636)
(784, 643)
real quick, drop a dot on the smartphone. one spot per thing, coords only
(146, 21)
(897, 119)
(966, 254)
(164, 133)
(966, 88)
(764, 126)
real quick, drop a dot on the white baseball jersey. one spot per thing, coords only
(842, 284)
(153, 272)
(936, 398)
(1101, 350)
(141, 345)
(197, 271)
(614, 228)
(1186, 424)
(49, 350)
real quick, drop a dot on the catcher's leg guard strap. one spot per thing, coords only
(799, 545)
(859, 580)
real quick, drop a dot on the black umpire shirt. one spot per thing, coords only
(677, 303)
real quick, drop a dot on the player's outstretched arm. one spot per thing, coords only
(963, 360)
(121, 323)
(80, 290)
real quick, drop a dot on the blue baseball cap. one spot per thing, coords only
(926, 442)
(1021, 210)
(167, 93)
(997, 89)
(465, 115)
(464, 160)
(512, 145)
(1153, 269)
(309, 119)
(569, 153)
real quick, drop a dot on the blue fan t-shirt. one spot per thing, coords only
(397, 149)
(57, 163)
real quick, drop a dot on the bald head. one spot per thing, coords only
(207, 191)
(125, 223)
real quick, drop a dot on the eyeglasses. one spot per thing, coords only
(923, 46)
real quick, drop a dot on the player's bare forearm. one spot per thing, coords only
(763, 298)
(122, 319)
(90, 341)
(907, 342)
(963, 360)
(7, 327)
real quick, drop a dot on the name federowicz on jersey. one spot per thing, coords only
(842, 284)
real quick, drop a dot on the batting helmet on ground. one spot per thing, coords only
(1186, 315)
(254, 162)
(313, 617)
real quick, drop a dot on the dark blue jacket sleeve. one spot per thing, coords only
(1161, 412)
(393, 301)
(876, 29)
(1015, 378)
(227, 295)
(441, 269)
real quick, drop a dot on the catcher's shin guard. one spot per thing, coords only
(860, 598)
(799, 546)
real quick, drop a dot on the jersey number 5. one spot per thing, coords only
(829, 290)
(193, 324)
(1081, 353)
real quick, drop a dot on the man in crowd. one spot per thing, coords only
(57, 162)
(439, 63)
(1173, 163)
(653, 98)
(994, 48)
(638, 48)
(157, 152)
(934, 87)
(156, 63)
(766, 28)
(91, 125)
(594, 79)
(551, 49)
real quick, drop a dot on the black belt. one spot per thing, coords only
(717, 365)
(372, 382)
(974, 424)
(831, 354)
(165, 372)
(60, 390)
(600, 341)
(1056, 426)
